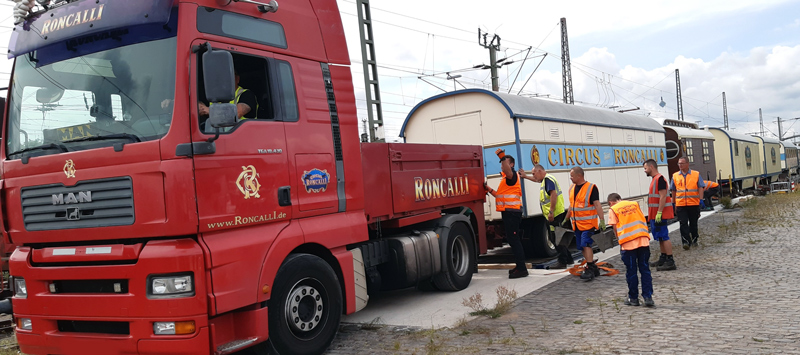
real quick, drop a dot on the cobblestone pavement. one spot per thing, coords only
(734, 294)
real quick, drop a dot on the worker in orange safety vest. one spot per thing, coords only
(712, 189)
(508, 198)
(659, 212)
(687, 188)
(634, 243)
(586, 216)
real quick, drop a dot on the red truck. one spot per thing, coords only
(142, 226)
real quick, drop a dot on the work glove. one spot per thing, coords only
(658, 217)
(21, 10)
(702, 204)
(602, 225)
(565, 223)
(501, 153)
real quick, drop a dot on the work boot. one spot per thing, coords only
(558, 265)
(668, 265)
(648, 302)
(694, 245)
(660, 261)
(590, 272)
(517, 273)
(632, 301)
(685, 246)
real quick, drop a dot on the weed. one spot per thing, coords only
(465, 332)
(675, 295)
(725, 201)
(578, 322)
(758, 340)
(505, 299)
(374, 324)
(396, 346)
(616, 304)
(514, 331)
(544, 325)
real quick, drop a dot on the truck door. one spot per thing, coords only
(244, 182)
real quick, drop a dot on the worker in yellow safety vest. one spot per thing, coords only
(508, 198)
(245, 101)
(551, 200)
(687, 187)
(586, 217)
(634, 242)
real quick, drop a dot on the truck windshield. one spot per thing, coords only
(123, 94)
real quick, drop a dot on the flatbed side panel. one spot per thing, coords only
(428, 176)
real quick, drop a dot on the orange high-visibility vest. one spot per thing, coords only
(630, 222)
(712, 184)
(584, 214)
(687, 193)
(652, 202)
(508, 197)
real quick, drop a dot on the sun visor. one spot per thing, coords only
(84, 20)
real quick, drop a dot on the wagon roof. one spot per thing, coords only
(737, 136)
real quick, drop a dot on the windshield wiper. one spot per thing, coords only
(59, 146)
(117, 146)
(131, 137)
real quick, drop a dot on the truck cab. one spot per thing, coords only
(140, 227)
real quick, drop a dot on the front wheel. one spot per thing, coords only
(305, 307)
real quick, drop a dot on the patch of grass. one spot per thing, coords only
(578, 322)
(758, 340)
(725, 201)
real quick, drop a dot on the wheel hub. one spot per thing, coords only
(304, 308)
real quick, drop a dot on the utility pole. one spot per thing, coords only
(780, 130)
(678, 89)
(566, 68)
(761, 121)
(493, 46)
(371, 86)
(725, 110)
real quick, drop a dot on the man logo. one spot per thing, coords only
(70, 198)
(73, 214)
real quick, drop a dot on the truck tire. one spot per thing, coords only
(537, 241)
(459, 259)
(305, 307)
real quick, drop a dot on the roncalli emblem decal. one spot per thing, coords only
(316, 180)
(248, 182)
(69, 169)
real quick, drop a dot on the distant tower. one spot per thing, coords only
(566, 71)
(725, 109)
(680, 100)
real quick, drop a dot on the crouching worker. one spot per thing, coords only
(634, 241)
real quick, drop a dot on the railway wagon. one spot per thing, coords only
(610, 146)
(738, 158)
(686, 139)
(771, 162)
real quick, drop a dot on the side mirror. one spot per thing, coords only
(222, 115)
(49, 95)
(218, 76)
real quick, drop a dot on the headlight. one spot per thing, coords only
(171, 286)
(20, 289)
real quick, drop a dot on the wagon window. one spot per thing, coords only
(689, 151)
(736, 148)
(706, 154)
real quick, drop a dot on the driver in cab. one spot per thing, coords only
(245, 101)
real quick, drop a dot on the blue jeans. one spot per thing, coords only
(634, 260)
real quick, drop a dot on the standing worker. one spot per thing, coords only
(634, 243)
(586, 216)
(687, 187)
(552, 202)
(659, 211)
(508, 199)
(712, 189)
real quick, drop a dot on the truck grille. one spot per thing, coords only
(94, 203)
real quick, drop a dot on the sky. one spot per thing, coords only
(623, 53)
